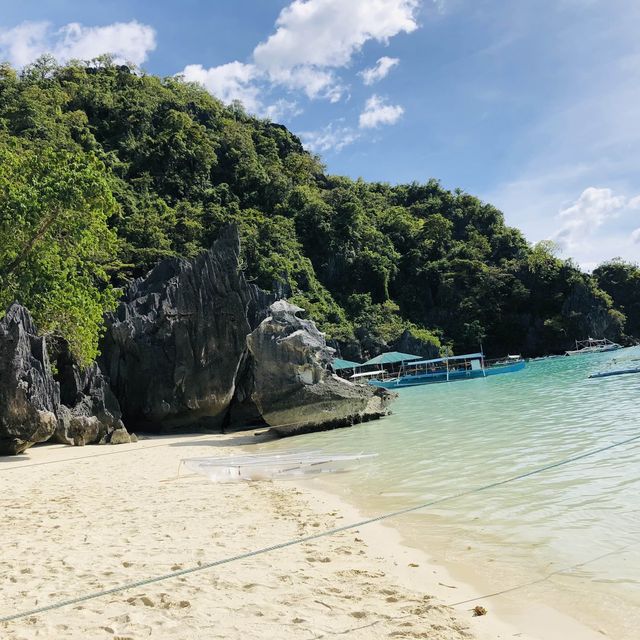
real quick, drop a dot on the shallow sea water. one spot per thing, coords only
(570, 536)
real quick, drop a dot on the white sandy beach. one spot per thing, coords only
(81, 520)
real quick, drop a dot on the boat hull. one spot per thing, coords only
(433, 378)
(616, 372)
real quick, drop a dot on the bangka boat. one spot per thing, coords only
(415, 372)
(619, 368)
(591, 345)
(615, 372)
(272, 466)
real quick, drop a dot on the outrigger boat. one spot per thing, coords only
(590, 345)
(619, 368)
(404, 370)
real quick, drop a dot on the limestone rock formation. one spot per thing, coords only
(292, 386)
(409, 343)
(175, 343)
(190, 347)
(29, 396)
(89, 411)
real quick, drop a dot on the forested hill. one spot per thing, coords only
(105, 170)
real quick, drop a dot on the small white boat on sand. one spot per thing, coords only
(273, 466)
(590, 345)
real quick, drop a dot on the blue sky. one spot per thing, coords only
(533, 105)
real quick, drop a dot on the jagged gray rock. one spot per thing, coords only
(191, 345)
(409, 343)
(29, 396)
(292, 386)
(174, 345)
(89, 412)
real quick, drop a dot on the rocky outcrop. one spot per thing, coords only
(174, 345)
(408, 342)
(292, 387)
(191, 347)
(29, 396)
(76, 408)
(89, 411)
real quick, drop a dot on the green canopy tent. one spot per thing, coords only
(338, 364)
(391, 357)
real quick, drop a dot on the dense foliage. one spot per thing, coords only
(54, 239)
(369, 261)
(621, 280)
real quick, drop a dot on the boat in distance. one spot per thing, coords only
(413, 371)
(591, 345)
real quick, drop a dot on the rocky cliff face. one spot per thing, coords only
(176, 341)
(89, 412)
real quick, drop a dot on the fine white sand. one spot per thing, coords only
(79, 520)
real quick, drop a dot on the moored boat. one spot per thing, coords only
(415, 371)
(591, 345)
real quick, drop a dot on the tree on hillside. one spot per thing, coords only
(55, 243)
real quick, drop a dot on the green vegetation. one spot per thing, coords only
(621, 280)
(54, 239)
(106, 170)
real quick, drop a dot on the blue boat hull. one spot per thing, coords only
(617, 372)
(431, 378)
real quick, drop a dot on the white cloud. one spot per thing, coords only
(635, 236)
(126, 41)
(228, 82)
(23, 44)
(280, 109)
(379, 71)
(377, 112)
(315, 36)
(312, 40)
(634, 203)
(589, 212)
(331, 138)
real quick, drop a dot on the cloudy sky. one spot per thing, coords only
(533, 105)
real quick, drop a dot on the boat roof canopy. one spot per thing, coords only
(339, 364)
(391, 357)
(468, 356)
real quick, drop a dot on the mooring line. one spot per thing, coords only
(314, 536)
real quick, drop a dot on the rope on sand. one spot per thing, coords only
(315, 536)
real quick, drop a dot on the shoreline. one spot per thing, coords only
(86, 519)
(457, 585)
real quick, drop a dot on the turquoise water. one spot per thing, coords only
(573, 531)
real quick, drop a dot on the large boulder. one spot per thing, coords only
(175, 343)
(29, 396)
(293, 389)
